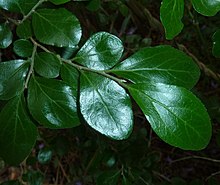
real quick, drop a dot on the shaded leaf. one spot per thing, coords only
(11, 182)
(56, 103)
(33, 177)
(18, 133)
(58, 2)
(101, 51)
(105, 106)
(216, 44)
(23, 48)
(44, 156)
(57, 27)
(5, 36)
(175, 114)
(162, 64)
(108, 177)
(24, 30)
(12, 78)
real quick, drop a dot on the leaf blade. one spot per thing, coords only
(5, 36)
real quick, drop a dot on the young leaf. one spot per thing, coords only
(105, 106)
(24, 30)
(23, 48)
(171, 13)
(58, 2)
(52, 103)
(175, 114)
(47, 65)
(57, 27)
(18, 133)
(206, 7)
(5, 36)
(12, 78)
(216, 44)
(162, 64)
(101, 51)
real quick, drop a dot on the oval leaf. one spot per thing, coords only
(5, 36)
(47, 65)
(23, 48)
(60, 27)
(12, 78)
(206, 7)
(18, 133)
(105, 106)
(171, 14)
(56, 103)
(216, 44)
(175, 114)
(24, 30)
(101, 51)
(162, 64)
(58, 2)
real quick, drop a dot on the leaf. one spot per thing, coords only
(47, 65)
(5, 36)
(175, 114)
(105, 106)
(101, 51)
(44, 156)
(56, 103)
(108, 177)
(23, 48)
(21, 6)
(33, 177)
(57, 27)
(24, 30)
(18, 133)
(206, 7)
(171, 13)
(216, 44)
(58, 2)
(11, 182)
(162, 64)
(12, 78)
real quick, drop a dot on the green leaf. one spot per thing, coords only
(175, 114)
(206, 7)
(108, 178)
(171, 14)
(5, 36)
(47, 65)
(101, 51)
(21, 6)
(33, 177)
(58, 2)
(44, 156)
(18, 133)
(105, 106)
(57, 27)
(56, 103)
(11, 182)
(94, 5)
(24, 30)
(12, 78)
(216, 44)
(23, 48)
(162, 64)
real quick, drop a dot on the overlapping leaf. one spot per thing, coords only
(58, 2)
(216, 44)
(5, 36)
(101, 51)
(162, 64)
(52, 103)
(23, 48)
(18, 133)
(57, 27)
(105, 106)
(175, 114)
(24, 30)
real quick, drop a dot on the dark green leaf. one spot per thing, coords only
(178, 181)
(58, 2)
(175, 114)
(21, 6)
(11, 182)
(24, 30)
(5, 36)
(93, 5)
(162, 64)
(57, 27)
(56, 103)
(108, 178)
(44, 156)
(23, 48)
(101, 51)
(171, 14)
(12, 78)
(47, 65)
(105, 106)
(18, 133)
(216, 44)
(206, 7)
(33, 177)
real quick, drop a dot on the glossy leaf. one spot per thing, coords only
(23, 48)
(47, 65)
(5, 36)
(12, 78)
(21, 6)
(52, 103)
(24, 30)
(18, 133)
(216, 44)
(58, 2)
(206, 7)
(171, 14)
(44, 156)
(105, 106)
(175, 114)
(57, 27)
(33, 177)
(162, 64)
(101, 51)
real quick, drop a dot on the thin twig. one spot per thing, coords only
(196, 157)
